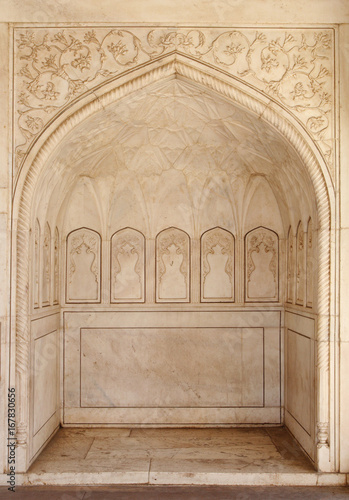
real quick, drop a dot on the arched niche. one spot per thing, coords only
(310, 265)
(83, 266)
(127, 279)
(290, 266)
(59, 157)
(36, 262)
(172, 266)
(56, 269)
(46, 266)
(261, 265)
(300, 265)
(217, 266)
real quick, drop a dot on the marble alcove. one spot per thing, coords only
(173, 263)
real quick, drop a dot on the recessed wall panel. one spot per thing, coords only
(169, 367)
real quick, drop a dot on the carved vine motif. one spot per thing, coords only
(262, 264)
(125, 242)
(120, 242)
(88, 242)
(255, 241)
(217, 266)
(180, 240)
(224, 239)
(54, 66)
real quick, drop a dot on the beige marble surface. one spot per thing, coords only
(201, 11)
(175, 456)
(173, 368)
(172, 450)
(328, 394)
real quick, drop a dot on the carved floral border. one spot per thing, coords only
(55, 66)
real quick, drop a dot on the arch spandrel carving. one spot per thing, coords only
(83, 266)
(127, 266)
(217, 266)
(172, 266)
(261, 266)
(294, 68)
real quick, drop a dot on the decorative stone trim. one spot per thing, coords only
(56, 66)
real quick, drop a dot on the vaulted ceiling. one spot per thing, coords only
(177, 137)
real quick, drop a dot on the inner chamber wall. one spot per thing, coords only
(173, 271)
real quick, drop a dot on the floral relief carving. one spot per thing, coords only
(54, 66)
(262, 265)
(217, 265)
(172, 265)
(127, 271)
(83, 266)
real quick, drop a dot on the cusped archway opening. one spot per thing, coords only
(175, 243)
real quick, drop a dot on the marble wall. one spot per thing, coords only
(45, 387)
(206, 149)
(165, 217)
(170, 367)
(300, 354)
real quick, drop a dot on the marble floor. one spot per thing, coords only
(238, 456)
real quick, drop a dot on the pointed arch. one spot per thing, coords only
(172, 266)
(83, 266)
(231, 89)
(127, 273)
(46, 266)
(217, 266)
(261, 265)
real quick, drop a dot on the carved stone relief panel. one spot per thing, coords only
(172, 266)
(127, 266)
(310, 267)
(83, 266)
(217, 266)
(56, 268)
(36, 264)
(261, 265)
(300, 266)
(290, 267)
(53, 66)
(46, 266)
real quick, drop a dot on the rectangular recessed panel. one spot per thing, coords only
(171, 367)
(299, 378)
(45, 379)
